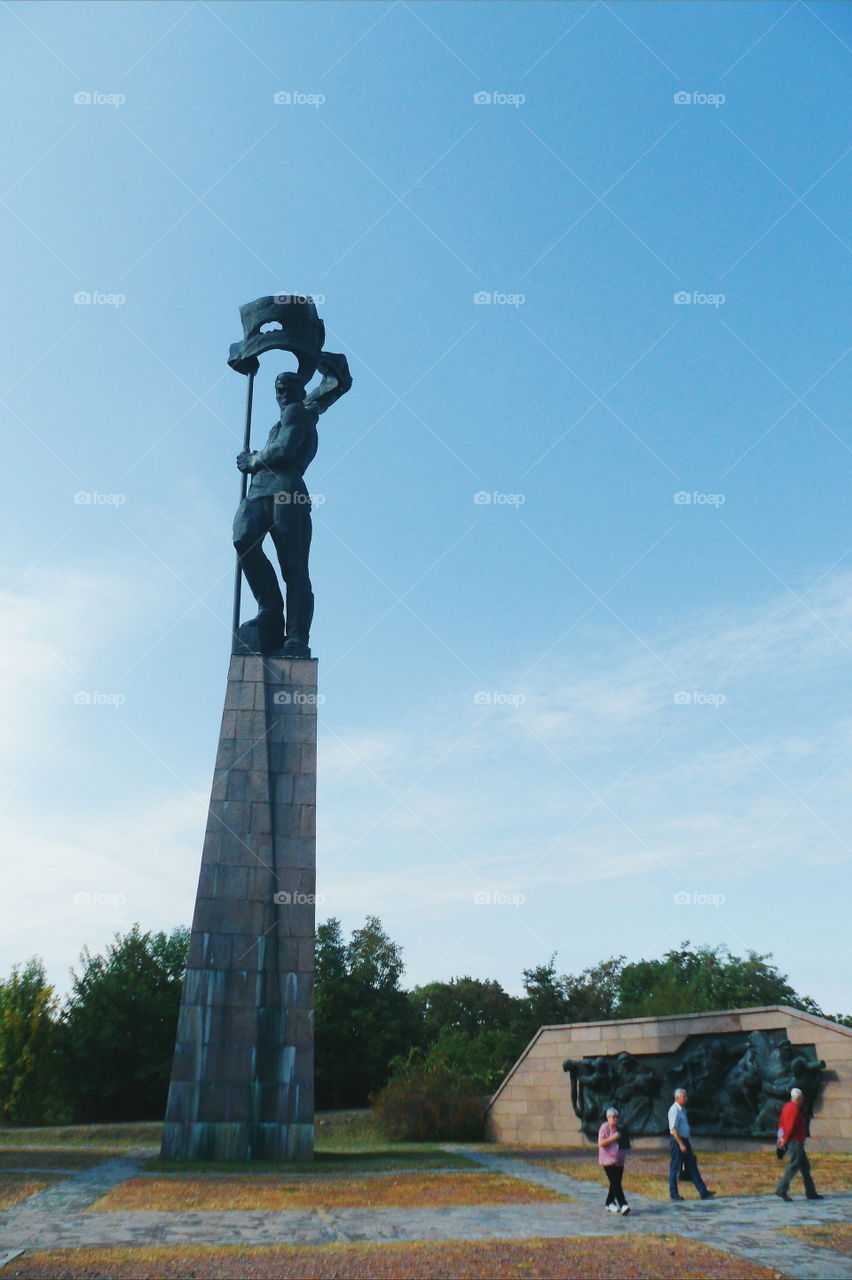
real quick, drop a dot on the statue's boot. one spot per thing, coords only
(263, 634)
(300, 612)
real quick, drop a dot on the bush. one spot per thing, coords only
(430, 1104)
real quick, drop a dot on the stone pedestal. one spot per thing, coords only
(242, 1085)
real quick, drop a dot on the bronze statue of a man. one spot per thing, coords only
(278, 504)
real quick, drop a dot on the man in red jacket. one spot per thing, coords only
(792, 1132)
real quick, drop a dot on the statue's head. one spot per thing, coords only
(289, 388)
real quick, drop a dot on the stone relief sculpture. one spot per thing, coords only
(737, 1084)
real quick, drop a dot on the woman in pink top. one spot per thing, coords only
(611, 1157)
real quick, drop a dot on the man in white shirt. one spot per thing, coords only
(681, 1150)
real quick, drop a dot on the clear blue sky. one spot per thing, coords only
(667, 713)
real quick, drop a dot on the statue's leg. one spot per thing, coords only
(251, 524)
(291, 533)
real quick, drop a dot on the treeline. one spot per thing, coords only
(105, 1055)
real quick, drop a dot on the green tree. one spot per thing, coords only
(29, 1092)
(469, 1027)
(467, 1005)
(699, 980)
(332, 1021)
(362, 1016)
(595, 994)
(119, 1026)
(545, 1003)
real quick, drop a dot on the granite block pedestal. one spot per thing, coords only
(242, 1085)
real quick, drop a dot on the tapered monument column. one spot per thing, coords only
(242, 1084)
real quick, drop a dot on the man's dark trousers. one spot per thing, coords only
(691, 1166)
(797, 1163)
(286, 516)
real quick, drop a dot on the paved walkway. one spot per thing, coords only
(748, 1227)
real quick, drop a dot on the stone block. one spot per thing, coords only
(241, 696)
(224, 1102)
(234, 915)
(186, 1065)
(277, 671)
(282, 788)
(293, 885)
(285, 757)
(286, 820)
(260, 820)
(586, 1035)
(296, 920)
(284, 700)
(253, 668)
(301, 729)
(309, 760)
(241, 753)
(304, 789)
(250, 725)
(229, 816)
(183, 1101)
(305, 961)
(237, 850)
(230, 1024)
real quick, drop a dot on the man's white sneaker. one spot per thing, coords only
(612, 1208)
(625, 1208)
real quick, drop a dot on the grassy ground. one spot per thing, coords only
(836, 1236)
(346, 1142)
(17, 1186)
(404, 1190)
(109, 1137)
(588, 1258)
(728, 1173)
(357, 1158)
(52, 1158)
(335, 1130)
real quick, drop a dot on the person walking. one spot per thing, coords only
(792, 1132)
(681, 1150)
(611, 1157)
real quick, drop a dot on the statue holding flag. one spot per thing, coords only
(277, 501)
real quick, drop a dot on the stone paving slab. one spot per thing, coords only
(747, 1227)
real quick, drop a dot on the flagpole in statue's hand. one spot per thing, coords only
(238, 576)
